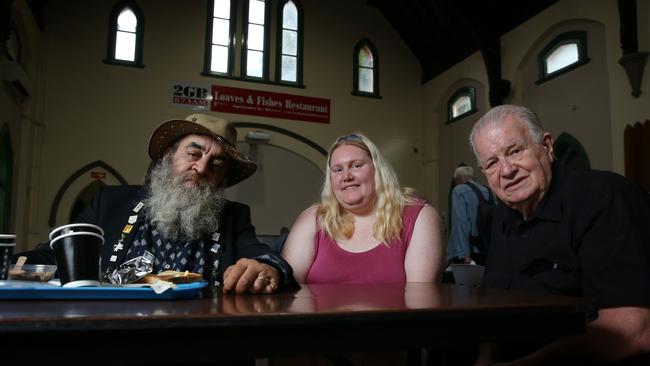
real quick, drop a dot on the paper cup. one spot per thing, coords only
(78, 227)
(7, 245)
(77, 256)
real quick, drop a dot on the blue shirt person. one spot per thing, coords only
(463, 222)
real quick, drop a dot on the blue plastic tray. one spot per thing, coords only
(22, 290)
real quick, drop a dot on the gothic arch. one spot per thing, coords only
(66, 186)
(283, 131)
(281, 159)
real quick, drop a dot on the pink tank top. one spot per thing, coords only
(381, 264)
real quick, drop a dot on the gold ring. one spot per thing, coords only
(267, 281)
(261, 277)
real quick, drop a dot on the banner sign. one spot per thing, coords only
(268, 104)
(194, 97)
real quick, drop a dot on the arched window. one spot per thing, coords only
(289, 69)
(255, 40)
(219, 55)
(366, 69)
(125, 35)
(461, 104)
(6, 176)
(226, 41)
(565, 53)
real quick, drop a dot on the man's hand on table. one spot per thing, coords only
(249, 275)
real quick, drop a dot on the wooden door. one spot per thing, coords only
(637, 153)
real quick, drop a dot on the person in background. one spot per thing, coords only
(181, 215)
(560, 231)
(450, 205)
(365, 229)
(464, 210)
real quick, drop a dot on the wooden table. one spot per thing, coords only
(318, 318)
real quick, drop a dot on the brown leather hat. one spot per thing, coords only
(240, 168)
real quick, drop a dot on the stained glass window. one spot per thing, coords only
(366, 82)
(365, 69)
(462, 104)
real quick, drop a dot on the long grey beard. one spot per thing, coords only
(180, 212)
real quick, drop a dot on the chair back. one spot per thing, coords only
(468, 274)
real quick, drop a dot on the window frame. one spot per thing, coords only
(375, 69)
(244, 43)
(112, 33)
(469, 91)
(577, 37)
(299, 52)
(207, 60)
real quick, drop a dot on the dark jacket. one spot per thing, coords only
(113, 206)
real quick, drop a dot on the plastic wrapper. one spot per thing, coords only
(132, 270)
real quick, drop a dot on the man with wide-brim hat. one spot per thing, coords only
(240, 167)
(181, 216)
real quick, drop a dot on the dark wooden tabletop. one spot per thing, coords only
(318, 318)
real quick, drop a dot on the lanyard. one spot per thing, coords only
(215, 273)
(118, 253)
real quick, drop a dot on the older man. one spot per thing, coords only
(580, 233)
(181, 215)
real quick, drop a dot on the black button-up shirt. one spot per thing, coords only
(589, 236)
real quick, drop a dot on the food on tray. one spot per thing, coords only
(32, 272)
(173, 276)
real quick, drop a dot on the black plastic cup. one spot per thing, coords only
(78, 227)
(7, 245)
(77, 257)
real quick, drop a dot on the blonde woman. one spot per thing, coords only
(365, 229)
